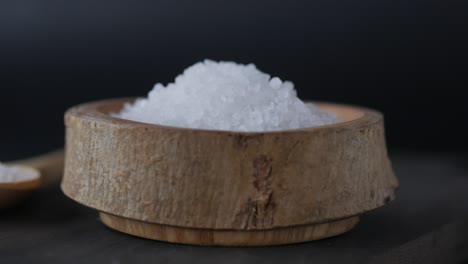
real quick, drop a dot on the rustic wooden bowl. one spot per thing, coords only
(207, 187)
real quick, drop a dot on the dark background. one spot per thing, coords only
(405, 58)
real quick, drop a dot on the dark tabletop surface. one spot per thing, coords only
(426, 224)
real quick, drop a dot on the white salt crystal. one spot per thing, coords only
(13, 174)
(226, 96)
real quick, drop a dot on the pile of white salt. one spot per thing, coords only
(13, 174)
(226, 96)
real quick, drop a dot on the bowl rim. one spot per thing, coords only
(93, 110)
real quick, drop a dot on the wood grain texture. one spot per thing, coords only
(207, 237)
(227, 180)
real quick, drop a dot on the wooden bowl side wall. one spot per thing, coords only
(226, 180)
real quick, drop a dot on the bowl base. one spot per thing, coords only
(207, 237)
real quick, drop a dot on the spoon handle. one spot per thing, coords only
(50, 165)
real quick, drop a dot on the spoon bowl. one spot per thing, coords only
(12, 193)
(47, 169)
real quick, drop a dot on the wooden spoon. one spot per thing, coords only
(47, 169)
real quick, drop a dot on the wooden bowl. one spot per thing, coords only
(226, 188)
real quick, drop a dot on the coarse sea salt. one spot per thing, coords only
(13, 174)
(226, 96)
